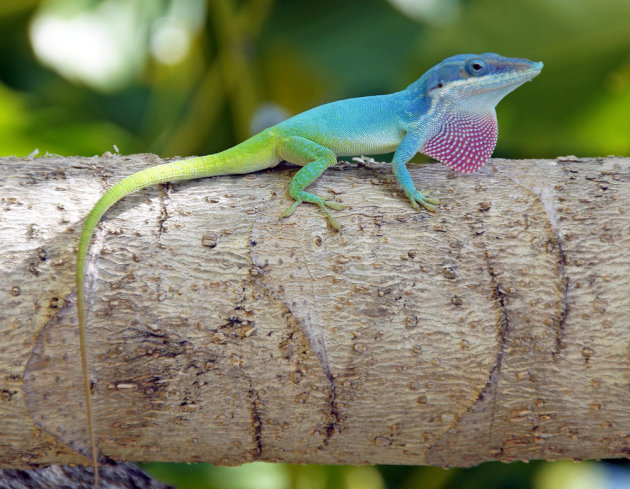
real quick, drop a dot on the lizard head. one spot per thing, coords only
(483, 79)
(462, 93)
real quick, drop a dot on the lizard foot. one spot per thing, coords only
(423, 199)
(321, 202)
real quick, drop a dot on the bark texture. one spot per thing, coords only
(495, 329)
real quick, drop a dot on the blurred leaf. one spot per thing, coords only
(604, 127)
(8, 8)
(566, 474)
(495, 475)
(182, 476)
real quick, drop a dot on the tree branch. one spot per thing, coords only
(496, 329)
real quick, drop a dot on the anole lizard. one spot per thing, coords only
(448, 114)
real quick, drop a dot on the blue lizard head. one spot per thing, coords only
(481, 78)
(460, 95)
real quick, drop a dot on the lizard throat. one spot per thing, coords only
(463, 141)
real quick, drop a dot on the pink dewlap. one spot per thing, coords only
(464, 142)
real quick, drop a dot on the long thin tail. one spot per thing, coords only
(255, 154)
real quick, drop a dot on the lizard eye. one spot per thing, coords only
(476, 67)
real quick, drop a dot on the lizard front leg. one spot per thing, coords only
(407, 148)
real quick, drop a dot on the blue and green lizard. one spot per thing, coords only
(448, 114)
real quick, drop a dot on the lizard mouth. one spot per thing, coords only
(523, 72)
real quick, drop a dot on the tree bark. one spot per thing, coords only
(496, 329)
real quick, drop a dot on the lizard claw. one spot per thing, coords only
(333, 205)
(323, 203)
(423, 199)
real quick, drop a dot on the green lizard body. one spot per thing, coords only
(448, 113)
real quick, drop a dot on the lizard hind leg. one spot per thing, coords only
(314, 158)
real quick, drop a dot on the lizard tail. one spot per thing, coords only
(254, 154)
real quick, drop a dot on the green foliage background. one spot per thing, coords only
(249, 60)
(297, 54)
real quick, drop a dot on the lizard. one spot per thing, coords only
(448, 114)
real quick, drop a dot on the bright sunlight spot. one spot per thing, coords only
(97, 47)
(256, 475)
(363, 477)
(106, 44)
(434, 11)
(171, 34)
(570, 475)
(170, 40)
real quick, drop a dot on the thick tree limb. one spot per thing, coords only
(498, 328)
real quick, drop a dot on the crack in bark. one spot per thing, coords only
(504, 329)
(256, 422)
(560, 322)
(318, 347)
(545, 197)
(333, 414)
(492, 383)
(164, 195)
